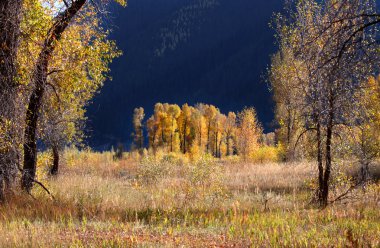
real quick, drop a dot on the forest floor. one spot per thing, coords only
(172, 202)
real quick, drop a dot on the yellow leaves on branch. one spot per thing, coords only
(78, 67)
(249, 133)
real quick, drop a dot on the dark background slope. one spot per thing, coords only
(221, 61)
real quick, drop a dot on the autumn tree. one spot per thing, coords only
(286, 72)
(161, 122)
(138, 117)
(248, 133)
(84, 72)
(366, 131)
(199, 122)
(163, 127)
(60, 125)
(185, 127)
(83, 47)
(152, 129)
(210, 113)
(230, 132)
(39, 82)
(269, 139)
(315, 35)
(173, 112)
(220, 121)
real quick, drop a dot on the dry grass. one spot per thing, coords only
(171, 202)
(276, 177)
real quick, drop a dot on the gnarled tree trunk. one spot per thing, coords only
(10, 12)
(39, 81)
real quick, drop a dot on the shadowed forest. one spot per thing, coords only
(193, 176)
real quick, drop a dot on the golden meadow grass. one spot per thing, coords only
(171, 201)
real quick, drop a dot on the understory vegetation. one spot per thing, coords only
(171, 200)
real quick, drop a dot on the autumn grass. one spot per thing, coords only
(172, 201)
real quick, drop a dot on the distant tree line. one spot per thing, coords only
(199, 129)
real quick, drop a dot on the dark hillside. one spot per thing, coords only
(185, 51)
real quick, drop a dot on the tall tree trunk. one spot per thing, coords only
(328, 155)
(153, 141)
(326, 176)
(216, 144)
(39, 81)
(200, 135)
(216, 139)
(228, 144)
(208, 136)
(219, 150)
(288, 128)
(162, 135)
(10, 12)
(184, 137)
(30, 146)
(54, 169)
(171, 136)
(320, 161)
(141, 138)
(364, 175)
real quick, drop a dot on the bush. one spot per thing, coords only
(206, 179)
(175, 181)
(151, 170)
(267, 154)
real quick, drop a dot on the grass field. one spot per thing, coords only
(173, 202)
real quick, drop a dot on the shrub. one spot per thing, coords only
(151, 170)
(206, 178)
(176, 182)
(267, 154)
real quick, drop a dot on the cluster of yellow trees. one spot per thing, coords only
(199, 129)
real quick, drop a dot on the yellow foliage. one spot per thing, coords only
(76, 70)
(195, 152)
(248, 133)
(267, 154)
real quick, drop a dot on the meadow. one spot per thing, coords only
(171, 200)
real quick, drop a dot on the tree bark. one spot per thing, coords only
(288, 128)
(184, 137)
(10, 12)
(219, 150)
(208, 136)
(141, 139)
(39, 81)
(320, 161)
(228, 144)
(329, 133)
(216, 144)
(365, 175)
(200, 134)
(163, 136)
(55, 168)
(171, 136)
